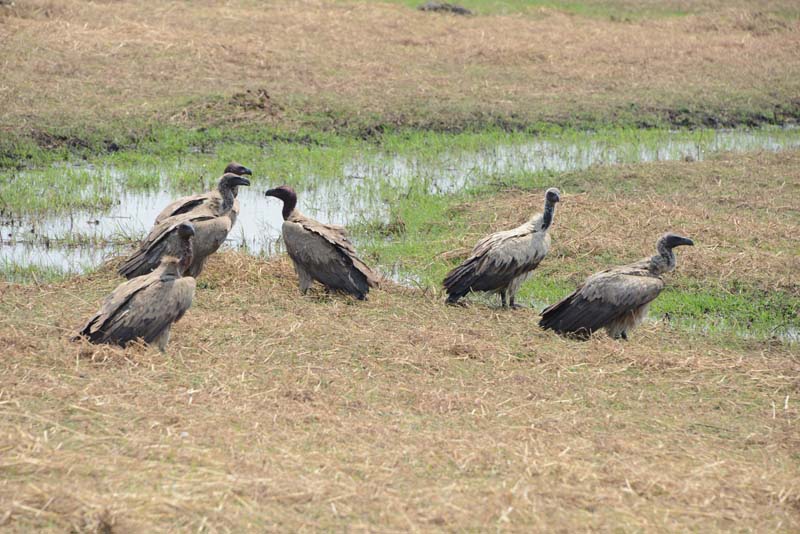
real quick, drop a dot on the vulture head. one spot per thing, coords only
(237, 168)
(552, 195)
(665, 260)
(230, 180)
(287, 195)
(669, 241)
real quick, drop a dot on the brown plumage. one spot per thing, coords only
(501, 261)
(211, 224)
(187, 204)
(321, 252)
(616, 299)
(146, 307)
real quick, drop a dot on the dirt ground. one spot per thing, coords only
(80, 65)
(272, 411)
(277, 412)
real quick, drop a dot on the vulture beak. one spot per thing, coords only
(678, 241)
(241, 181)
(270, 193)
(246, 171)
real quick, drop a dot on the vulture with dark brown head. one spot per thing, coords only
(211, 224)
(146, 307)
(616, 299)
(187, 204)
(321, 252)
(501, 261)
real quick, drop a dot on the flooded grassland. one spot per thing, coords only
(401, 201)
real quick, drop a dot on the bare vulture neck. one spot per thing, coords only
(547, 216)
(289, 204)
(228, 195)
(664, 261)
(186, 255)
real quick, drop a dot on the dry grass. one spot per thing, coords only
(276, 412)
(743, 211)
(72, 63)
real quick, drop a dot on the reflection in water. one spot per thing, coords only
(362, 192)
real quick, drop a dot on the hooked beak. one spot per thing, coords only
(247, 171)
(270, 193)
(686, 241)
(241, 181)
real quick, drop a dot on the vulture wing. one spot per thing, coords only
(337, 237)
(604, 297)
(147, 257)
(182, 205)
(140, 308)
(327, 255)
(496, 260)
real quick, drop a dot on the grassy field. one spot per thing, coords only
(271, 411)
(97, 76)
(281, 412)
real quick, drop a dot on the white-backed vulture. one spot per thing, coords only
(187, 204)
(211, 225)
(147, 306)
(616, 299)
(502, 261)
(321, 252)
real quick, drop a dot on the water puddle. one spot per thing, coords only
(361, 190)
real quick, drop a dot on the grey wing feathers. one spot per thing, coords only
(159, 241)
(327, 256)
(338, 238)
(494, 262)
(182, 205)
(140, 308)
(603, 298)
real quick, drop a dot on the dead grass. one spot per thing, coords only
(742, 211)
(76, 64)
(276, 412)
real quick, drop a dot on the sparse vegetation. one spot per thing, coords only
(271, 411)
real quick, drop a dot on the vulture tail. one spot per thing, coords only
(564, 317)
(460, 280)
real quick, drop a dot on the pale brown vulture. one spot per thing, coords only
(187, 204)
(501, 261)
(321, 252)
(211, 225)
(616, 299)
(145, 307)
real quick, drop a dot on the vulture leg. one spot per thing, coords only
(163, 339)
(305, 279)
(503, 298)
(513, 304)
(624, 335)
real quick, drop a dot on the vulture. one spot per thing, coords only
(501, 261)
(616, 299)
(211, 223)
(145, 307)
(186, 204)
(321, 252)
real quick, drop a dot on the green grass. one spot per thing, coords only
(186, 161)
(430, 226)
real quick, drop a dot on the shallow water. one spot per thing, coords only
(361, 191)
